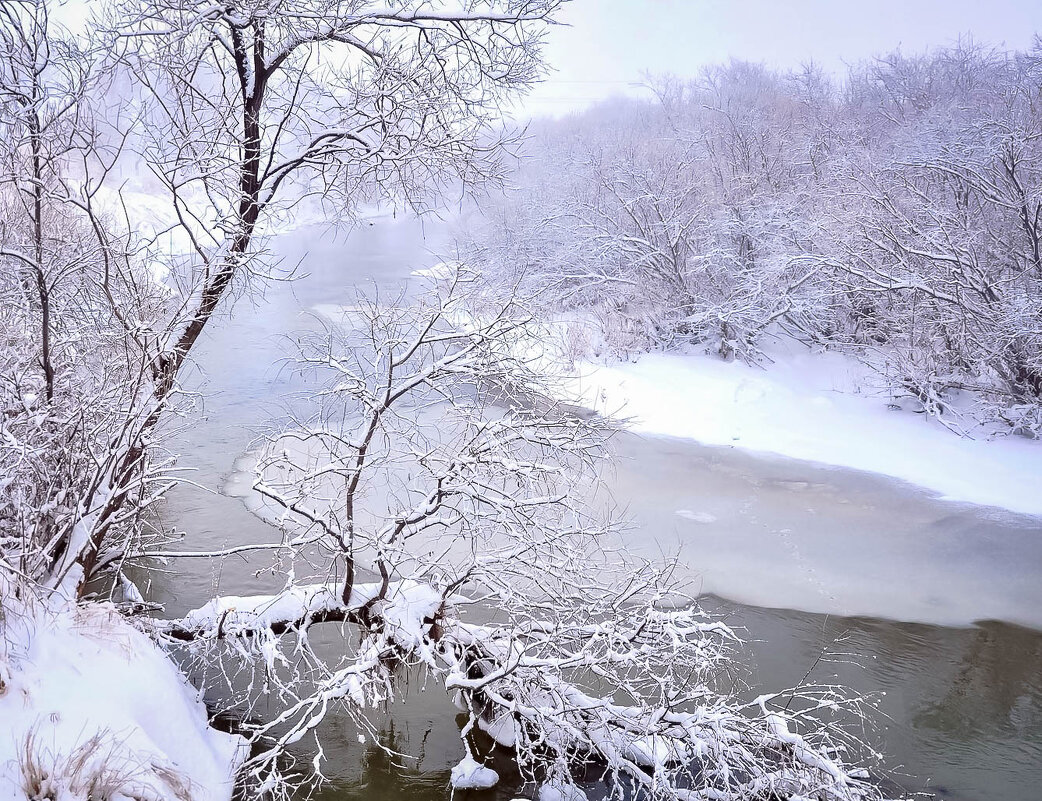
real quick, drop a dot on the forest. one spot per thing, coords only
(894, 215)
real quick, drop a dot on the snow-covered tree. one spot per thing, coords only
(241, 112)
(256, 107)
(73, 358)
(436, 507)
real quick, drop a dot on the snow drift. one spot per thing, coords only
(91, 708)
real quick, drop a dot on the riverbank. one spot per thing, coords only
(819, 407)
(92, 708)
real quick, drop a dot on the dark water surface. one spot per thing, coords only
(962, 712)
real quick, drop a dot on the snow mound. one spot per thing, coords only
(90, 704)
(472, 775)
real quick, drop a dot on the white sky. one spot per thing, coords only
(606, 46)
(609, 44)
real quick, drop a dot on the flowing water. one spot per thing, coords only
(934, 605)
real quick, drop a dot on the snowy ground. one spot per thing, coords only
(811, 406)
(91, 708)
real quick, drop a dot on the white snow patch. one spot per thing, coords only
(99, 702)
(411, 603)
(472, 775)
(561, 792)
(442, 271)
(346, 317)
(503, 729)
(805, 407)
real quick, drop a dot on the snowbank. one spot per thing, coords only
(92, 708)
(808, 406)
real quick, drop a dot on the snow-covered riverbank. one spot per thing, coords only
(91, 708)
(817, 407)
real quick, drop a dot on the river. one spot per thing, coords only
(933, 605)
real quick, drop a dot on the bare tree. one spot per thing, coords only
(260, 105)
(43, 79)
(940, 244)
(436, 463)
(240, 112)
(74, 360)
(678, 228)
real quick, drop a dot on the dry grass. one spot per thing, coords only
(98, 769)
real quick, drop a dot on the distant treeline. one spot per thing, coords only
(896, 214)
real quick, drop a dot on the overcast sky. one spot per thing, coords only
(609, 44)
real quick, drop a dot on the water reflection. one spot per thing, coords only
(962, 712)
